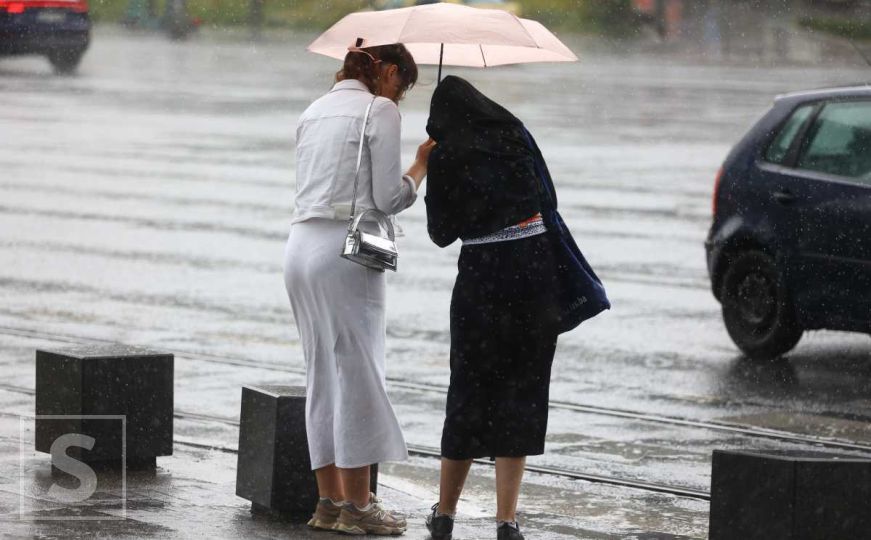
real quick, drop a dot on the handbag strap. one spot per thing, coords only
(359, 160)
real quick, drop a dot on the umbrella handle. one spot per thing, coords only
(441, 55)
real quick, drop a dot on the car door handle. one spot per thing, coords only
(784, 196)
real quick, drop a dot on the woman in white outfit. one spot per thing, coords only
(339, 305)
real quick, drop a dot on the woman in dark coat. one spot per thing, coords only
(483, 189)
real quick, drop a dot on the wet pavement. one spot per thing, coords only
(147, 200)
(192, 494)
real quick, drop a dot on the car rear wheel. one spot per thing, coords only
(65, 61)
(757, 308)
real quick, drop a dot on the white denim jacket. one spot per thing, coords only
(327, 139)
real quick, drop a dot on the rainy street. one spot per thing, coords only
(147, 199)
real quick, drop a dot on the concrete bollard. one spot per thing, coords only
(789, 495)
(274, 469)
(88, 390)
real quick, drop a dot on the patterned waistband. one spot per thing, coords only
(531, 227)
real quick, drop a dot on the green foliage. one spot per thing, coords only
(220, 12)
(313, 14)
(107, 10)
(598, 16)
(848, 28)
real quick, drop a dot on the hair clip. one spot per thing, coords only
(356, 47)
(367, 53)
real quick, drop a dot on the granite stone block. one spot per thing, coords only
(274, 469)
(93, 385)
(789, 495)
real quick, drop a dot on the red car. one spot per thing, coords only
(60, 30)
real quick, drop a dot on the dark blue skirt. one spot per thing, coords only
(503, 338)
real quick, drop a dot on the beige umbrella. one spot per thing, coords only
(447, 33)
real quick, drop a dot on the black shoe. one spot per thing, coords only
(507, 532)
(441, 527)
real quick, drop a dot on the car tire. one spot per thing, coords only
(757, 308)
(65, 61)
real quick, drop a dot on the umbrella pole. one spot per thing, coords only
(441, 56)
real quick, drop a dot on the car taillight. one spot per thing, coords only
(17, 6)
(716, 191)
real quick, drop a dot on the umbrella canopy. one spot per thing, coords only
(446, 33)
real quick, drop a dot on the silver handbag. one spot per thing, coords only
(370, 250)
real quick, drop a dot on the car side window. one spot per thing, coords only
(839, 142)
(781, 144)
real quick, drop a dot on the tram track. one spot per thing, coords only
(396, 383)
(423, 452)
(429, 453)
(433, 453)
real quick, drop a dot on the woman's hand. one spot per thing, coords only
(424, 150)
(418, 169)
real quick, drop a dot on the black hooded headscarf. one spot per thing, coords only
(481, 175)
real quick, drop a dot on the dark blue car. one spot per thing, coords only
(790, 245)
(60, 30)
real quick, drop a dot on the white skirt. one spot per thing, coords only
(339, 310)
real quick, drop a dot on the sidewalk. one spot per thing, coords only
(192, 495)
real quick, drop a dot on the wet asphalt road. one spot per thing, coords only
(147, 199)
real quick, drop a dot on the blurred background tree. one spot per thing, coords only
(848, 18)
(599, 16)
(607, 16)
